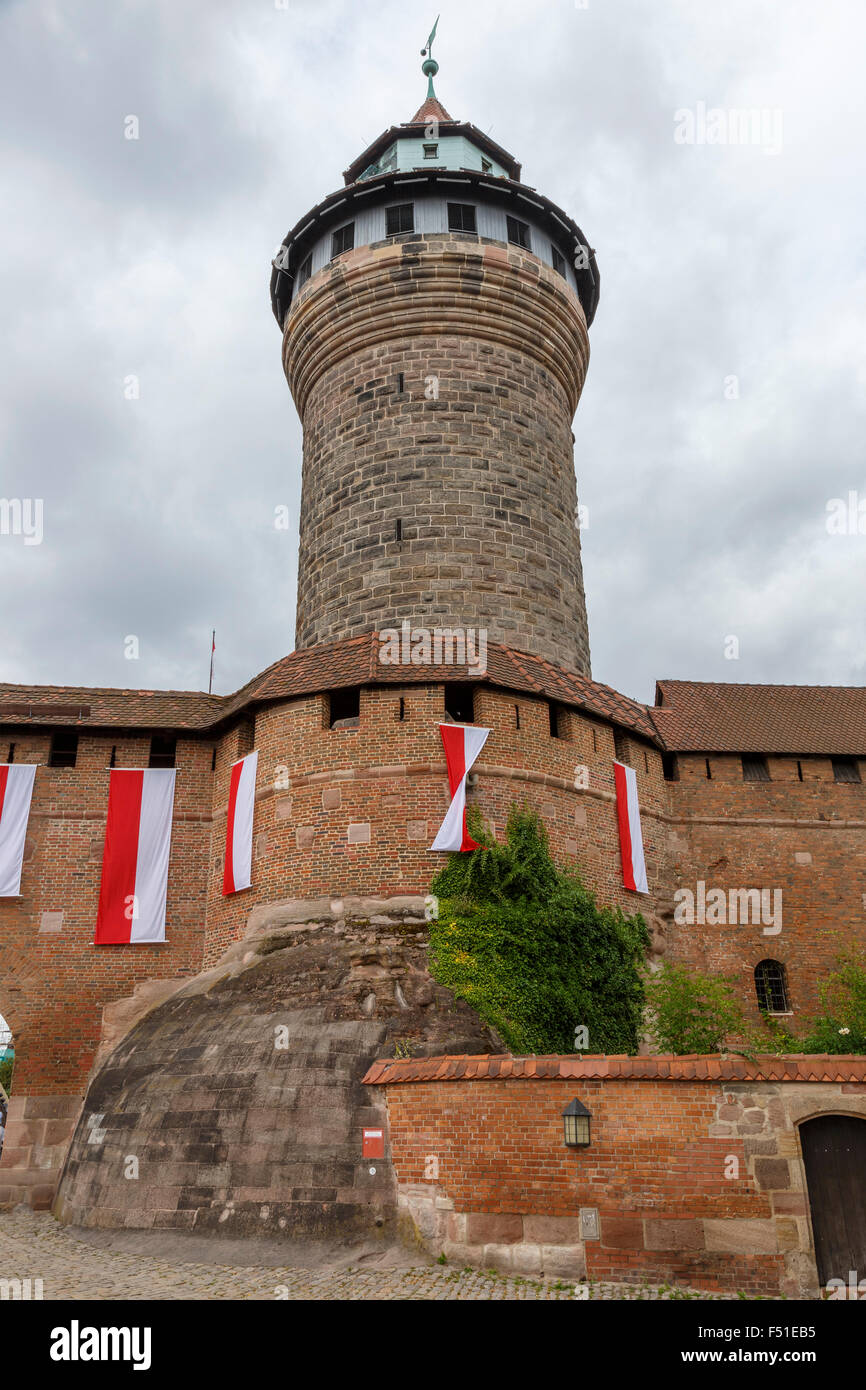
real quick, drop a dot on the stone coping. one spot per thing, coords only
(695, 1067)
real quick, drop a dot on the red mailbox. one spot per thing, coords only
(374, 1143)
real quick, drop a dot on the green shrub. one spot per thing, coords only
(691, 1012)
(6, 1074)
(842, 1027)
(527, 945)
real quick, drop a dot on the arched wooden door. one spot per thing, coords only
(834, 1152)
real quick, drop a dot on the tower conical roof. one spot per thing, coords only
(431, 110)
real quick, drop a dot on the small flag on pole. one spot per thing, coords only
(630, 835)
(212, 650)
(462, 746)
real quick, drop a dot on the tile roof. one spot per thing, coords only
(430, 110)
(695, 1067)
(330, 666)
(709, 717)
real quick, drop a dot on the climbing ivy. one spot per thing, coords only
(526, 944)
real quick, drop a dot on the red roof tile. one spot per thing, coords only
(716, 1068)
(706, 717)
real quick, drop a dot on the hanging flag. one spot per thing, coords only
(16, 789)
(462, 745)
(239, 826)
(135, 861)
(630, 836)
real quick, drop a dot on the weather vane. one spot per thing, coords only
(430, 67)
(428, 47)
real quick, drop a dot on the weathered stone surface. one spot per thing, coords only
(484, 1228)
(674, 1235)
(741, 1237)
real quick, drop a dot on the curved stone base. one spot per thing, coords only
(236, 1105)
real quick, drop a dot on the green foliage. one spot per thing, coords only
(842, 1027)
(529, 948)
(691, 1012)
(6, 1067)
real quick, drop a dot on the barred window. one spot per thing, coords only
(771, 987)
(755, 768)
(845, 770)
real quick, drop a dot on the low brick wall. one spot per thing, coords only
(694, 1173)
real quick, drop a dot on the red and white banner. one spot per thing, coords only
(16, 789)
(135, 862)
(239, 827)
(630, 836)
(462, 745)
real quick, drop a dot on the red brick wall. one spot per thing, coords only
(54, 985)
(807, 838)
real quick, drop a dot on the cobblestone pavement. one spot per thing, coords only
(34, 1246)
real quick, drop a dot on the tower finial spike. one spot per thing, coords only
(430, 67)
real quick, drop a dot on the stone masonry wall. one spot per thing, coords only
(697, 1182)
(473, 456)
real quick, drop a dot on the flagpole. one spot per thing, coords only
(212, 650)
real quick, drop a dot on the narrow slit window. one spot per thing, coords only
(113, 759)
(401, 383)
(398, 531)
(11, 757)
(402, 714)
(709, 770)
(517, 716)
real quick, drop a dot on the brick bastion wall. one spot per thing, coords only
(694, 1173)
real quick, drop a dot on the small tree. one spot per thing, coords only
(691, 1012)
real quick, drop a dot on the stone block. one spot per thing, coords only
(772, 1173)
(416, 830)
(741, 1236)
(787, 1234)
(332, 799)
(283, 808)
(563, 1261)
(358, 833)
(305, 835)
(552, 1230)
(527, 1260)
(674, 1234)
(488, 1228)
(621, 1233)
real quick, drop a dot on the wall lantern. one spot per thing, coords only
(575, 1121)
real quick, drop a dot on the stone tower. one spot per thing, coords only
(434, 315)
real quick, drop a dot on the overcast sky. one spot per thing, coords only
(724, 406)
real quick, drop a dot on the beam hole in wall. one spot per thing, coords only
(709, 770)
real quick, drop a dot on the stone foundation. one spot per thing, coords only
(236, 1105)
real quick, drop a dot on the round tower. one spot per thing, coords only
(434, 314)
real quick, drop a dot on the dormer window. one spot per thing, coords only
(431, 151)
(461, 217)
(518, 233)
(400, 218)
(343, 239)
